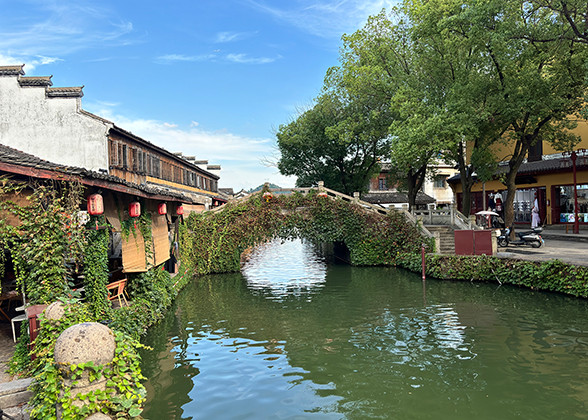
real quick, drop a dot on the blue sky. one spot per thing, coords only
(210, 78)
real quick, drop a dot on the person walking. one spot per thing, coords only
(535, 219)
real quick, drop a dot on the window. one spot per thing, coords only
(134, 160)
(536, 151)
(113, 153)
(439, 181)
(382, 184)
(140, 156)
(125, 156)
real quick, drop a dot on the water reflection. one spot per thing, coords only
(359, 344)
(278, 269)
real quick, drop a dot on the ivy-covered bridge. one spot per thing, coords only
(214, 241)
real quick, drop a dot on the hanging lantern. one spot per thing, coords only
(180, 210)
(135, 209)
(95, 205)
(162, 208)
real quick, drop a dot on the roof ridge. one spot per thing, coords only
(65, 92)
(12, 70)
(35, 81)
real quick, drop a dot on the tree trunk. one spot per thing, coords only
(467, 181)
(514, 165)
(415, 183)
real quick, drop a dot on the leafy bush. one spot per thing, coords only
(553, 275)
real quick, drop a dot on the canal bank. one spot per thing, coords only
(568, 247)
(364, 342)
(559, 244)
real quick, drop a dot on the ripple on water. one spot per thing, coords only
(359, 343)
(291, 269)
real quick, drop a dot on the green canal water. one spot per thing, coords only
(294, 338)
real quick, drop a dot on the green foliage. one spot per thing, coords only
(151, 294)
(213, 242)
(339, 141)
(96, 267)
(124, 394)
(51, 244)
(48, 245)
(552, 275)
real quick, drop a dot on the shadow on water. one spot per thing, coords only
(357, 343)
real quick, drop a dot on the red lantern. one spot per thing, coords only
(180, 210)
(95, 205)
(162, 208)
(135, 209)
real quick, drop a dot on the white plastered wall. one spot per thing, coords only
(51, 128)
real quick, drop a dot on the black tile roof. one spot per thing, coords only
(65, 92)
(395, 198)
(35, 81)
(12, 156)
(11, 70)
(562, 164)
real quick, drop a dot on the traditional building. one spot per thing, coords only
(49, 123)
(125, 256)
(546, 176)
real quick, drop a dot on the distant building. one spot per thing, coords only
(437, 186)
(381, 192)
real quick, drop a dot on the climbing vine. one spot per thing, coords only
(51, 242)
(124, 394)
(96, 266)
(213, 242)
(553, 275)
(47, 246)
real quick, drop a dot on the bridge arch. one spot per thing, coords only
(212, 242)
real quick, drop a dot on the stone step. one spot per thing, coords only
(15, 392)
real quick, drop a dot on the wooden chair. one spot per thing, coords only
(116, 290)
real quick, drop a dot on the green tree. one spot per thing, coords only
(459, 97)
(340, 141)
(379, 63)
(538, 84)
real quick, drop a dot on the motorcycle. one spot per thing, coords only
(530, 237)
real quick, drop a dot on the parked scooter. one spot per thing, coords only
(530, 237)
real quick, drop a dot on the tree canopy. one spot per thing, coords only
(338, 141)
(444, 79)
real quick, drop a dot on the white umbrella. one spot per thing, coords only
(487, 213)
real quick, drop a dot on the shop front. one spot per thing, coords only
(524, 201)
(563, 207)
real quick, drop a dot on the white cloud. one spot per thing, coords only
(166, 59)
(325, 18)
(61, 28)
(243, 58)
(223, 37)
(240, 157)
(30, 62)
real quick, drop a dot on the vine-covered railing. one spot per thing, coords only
(346, 198)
